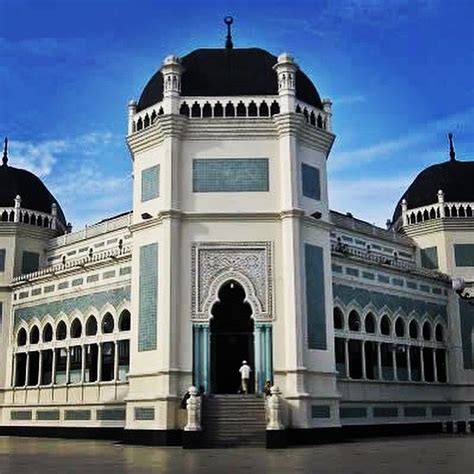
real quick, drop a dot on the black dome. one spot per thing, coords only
(454, 178)
(229, 72)
(34, 194)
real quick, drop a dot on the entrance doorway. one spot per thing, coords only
(232, 339)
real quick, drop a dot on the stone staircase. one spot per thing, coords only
(234, 420)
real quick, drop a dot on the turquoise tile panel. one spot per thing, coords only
(315, 298)
(320, 411)
(67, 305)
(29, 262)
(150, 183)
(77, 415)
(429, 258)
(353, 412)
(464, 255)
(21, 415)
(441, 411)
(230, 175)
(47, 415)
(414, 412)
(144, 413)
(311, 182)
(385, 412)
(113, 414)
(379, 299)
(148, 297)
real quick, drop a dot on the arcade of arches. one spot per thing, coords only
(375, 348)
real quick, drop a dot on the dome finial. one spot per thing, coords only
(228, 20)
(452, 153)
(5, 152)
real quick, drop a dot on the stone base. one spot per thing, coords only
(193, 439)
(276, 439)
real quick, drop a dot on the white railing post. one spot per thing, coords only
(273, 410)
(441, 203)
(17, 209)
(193, 407)
(404, 213)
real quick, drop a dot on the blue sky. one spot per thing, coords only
(400, 73)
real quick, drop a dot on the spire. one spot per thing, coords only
(228, 20)
(5, 152)
(452, 153)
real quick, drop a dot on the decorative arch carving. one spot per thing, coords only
(248, 263)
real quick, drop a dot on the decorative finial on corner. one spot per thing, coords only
(228, 20)
(5, 152)
(452, 153)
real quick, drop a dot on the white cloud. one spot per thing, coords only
(349, 99)
(370, 199)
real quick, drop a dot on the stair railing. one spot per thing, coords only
(193, 407)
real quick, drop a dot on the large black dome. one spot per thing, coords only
(454, 178)
(34, 194)
(229, 72)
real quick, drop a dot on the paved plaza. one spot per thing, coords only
(430, 455)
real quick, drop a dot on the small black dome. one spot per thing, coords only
(453, 177)
(228, 72)
(34, 194)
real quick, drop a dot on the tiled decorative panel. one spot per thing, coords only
(67, 305)
(441, 411)
(77, 415)
(320, 411)
(148, 297)
(397, 281)
(315, 298)
(385, 412)
(77, 282)
(352, 271)
(353, 412)
(29, 262)
(47, 415)
(412, 285)
(311, 181)
(429, 258)
(49, 289)
(92, 278)
(368, 275)
(336, 268)
(150, 183)
(383, 278)
(472, 410)
(144, 413)
(378, 299)
(414, 411)
(2, 260)
(63, 285)
(230, 175)
(125, 271)
(464, 255)
(36, 292)
(109, 274)
(111, 414)
(21, 415)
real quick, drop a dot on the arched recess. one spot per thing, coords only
(125, 320)
(91, 326)
(338, 318)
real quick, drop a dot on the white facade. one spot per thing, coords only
(202, 221)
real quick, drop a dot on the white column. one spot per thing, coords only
(17, 209)
(379, 361)
(53, 369)
(14, 370)
(115, 360)
(99, 362)
(364, 370)
(40, 366)
(422, 364)
(404, 213)
(346, 356)
(441, 203)
(409, 362)
(68, 363)
(394, 364)
(132, 110)
(83, 362)
(435, 368)
(27, 370)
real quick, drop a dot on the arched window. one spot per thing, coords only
(275, 108)
(196, 110)
(34, 335)
(354, 321)
(399, 327)
(263, 110)
(218, 110)
(427, 331)
(184, 109)
(230, 110)
(439, 333)
(207, 110)
(76, 328)
(21, 338)
(338, 319)
(385, 325)
(107, 324)
(61, 331)
(241, 110)
(91, 326)
(253, 112)
(47, 333)
(414, 329)
(370, 323)
(124, 321)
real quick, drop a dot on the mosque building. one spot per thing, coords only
(231, 252)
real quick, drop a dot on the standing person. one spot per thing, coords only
(245, 375)
(267, 388)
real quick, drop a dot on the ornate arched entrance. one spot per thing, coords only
(231, 338)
